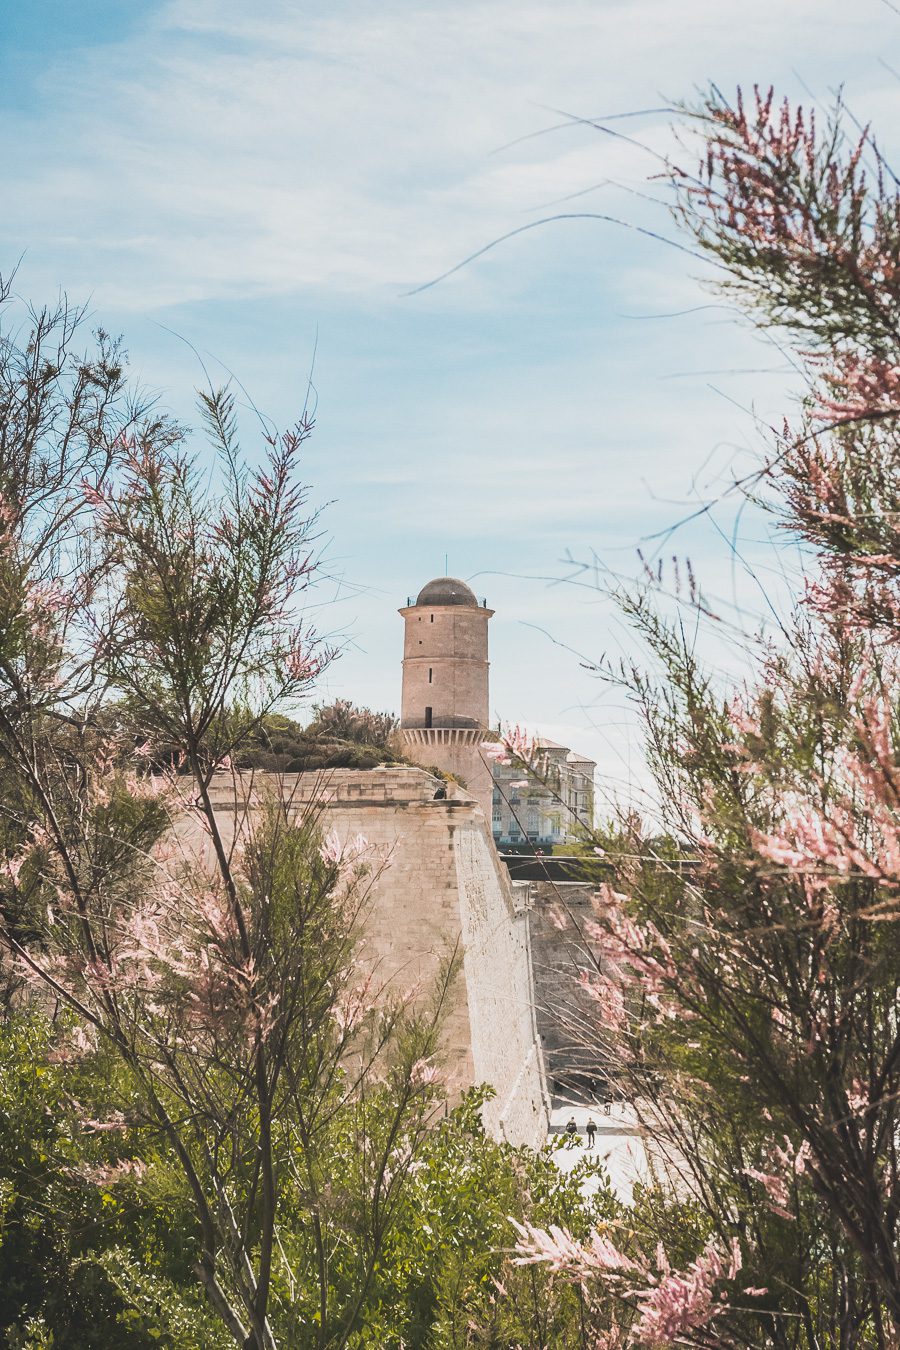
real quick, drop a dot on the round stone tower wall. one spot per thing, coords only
(444, 708)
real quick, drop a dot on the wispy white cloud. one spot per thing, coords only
(247, 176)
(214, 153)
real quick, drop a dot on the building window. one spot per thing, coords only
(429, 674)
(428, 717)
(432, 618)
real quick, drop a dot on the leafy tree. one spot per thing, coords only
(230, 1134)
(74, 1216)
(217, 973)
(98, 1236)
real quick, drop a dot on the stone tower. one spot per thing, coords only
(444, 709)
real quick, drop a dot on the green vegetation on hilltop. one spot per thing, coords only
(340, 736)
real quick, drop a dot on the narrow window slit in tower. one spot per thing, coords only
(428, 717)
(429, 674)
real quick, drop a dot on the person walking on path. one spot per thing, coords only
(571, 1127)
(591, 1131)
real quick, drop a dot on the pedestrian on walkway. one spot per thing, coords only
(591, 1131)
(572, 1127)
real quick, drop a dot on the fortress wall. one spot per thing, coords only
(413, 926)
(567, 1016)
(444, 889)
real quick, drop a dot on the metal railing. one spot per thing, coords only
(412, 600)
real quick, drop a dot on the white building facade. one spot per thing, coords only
(556, 807)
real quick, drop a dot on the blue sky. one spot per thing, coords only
(270, 185)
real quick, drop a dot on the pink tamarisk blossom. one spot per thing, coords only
(108, 1174)
(744, 718)
(784, 1166)
(352, 1005)
(332, 849)
(514, 743)
(609, 997)
(839, 838)
(520, 744)
(861, 386)
(632, 952)
(73, 1045)
(495, 750)
(752, 151)
(776, 1188)
(683, 1302)
(556, 1248)
(424, 1073)
(215, 915)
(12, 865)
(116, 1122)
(300, 664)
(670, 1304)
(340, 853)
(92, 495)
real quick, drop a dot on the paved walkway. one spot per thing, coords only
(619, 1143)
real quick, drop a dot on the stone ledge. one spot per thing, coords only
(388, 786)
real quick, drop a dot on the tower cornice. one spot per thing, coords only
(448, 609)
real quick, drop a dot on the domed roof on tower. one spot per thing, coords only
(446, 591)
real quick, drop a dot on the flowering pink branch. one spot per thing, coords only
(667, 1304)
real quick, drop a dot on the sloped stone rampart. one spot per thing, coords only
(496, 942)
